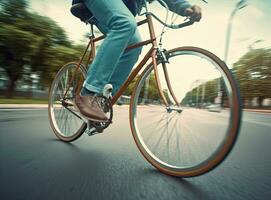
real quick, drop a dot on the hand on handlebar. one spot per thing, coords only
(194, 13)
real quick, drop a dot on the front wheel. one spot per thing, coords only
(199, 126)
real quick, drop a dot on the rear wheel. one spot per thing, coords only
(198, 129)
(65, 119)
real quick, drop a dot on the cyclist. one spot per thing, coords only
(112, 65)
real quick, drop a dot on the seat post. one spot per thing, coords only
(91, 31)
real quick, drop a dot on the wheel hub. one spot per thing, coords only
(177, 109)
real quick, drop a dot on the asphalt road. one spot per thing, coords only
(35, 165)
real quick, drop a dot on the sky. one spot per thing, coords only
(250, 24)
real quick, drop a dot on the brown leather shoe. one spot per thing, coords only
(90, 108)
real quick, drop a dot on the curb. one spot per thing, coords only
(259, 111)
(39, 106)
(33, 106)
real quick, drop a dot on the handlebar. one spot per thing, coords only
(172, 26)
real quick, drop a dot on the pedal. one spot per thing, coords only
(93, 128)
(91, 131)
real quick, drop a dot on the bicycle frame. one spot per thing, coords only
(150, 54)
(165, 127)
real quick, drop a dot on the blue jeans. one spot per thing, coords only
(111, 64)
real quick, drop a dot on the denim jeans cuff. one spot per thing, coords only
(93, 88)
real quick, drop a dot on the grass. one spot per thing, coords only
(20, 100)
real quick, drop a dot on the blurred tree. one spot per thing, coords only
(130, 88)
(152, 89)
(30, 39)
(211, 91)
(16, 45)
(55, 58)
(253, 72)
(152, 93)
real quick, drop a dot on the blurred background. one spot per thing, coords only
(38, 37)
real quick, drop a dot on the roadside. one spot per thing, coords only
(21, 100)
(257, 110)
(45, 105)
(23, 106)
(22, 103)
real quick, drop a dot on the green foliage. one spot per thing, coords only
(152, 89)
(253, 72)
(194, 96)
(149, 93)
(131, 86)
(28, 39)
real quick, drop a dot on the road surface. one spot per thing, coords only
(35, 165)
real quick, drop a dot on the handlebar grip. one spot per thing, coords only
(188, 23)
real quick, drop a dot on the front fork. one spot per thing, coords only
(162, 57)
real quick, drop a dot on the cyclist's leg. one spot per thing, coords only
(126, 61)
(125, 64)
(121, 26)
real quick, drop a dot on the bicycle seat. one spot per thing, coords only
(80, 11)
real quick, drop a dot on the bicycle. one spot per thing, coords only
(164, 106)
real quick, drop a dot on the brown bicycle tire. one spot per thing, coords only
(84, 126)
(232, 133)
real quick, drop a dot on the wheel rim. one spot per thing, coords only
(65, 118)
(189, 157)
